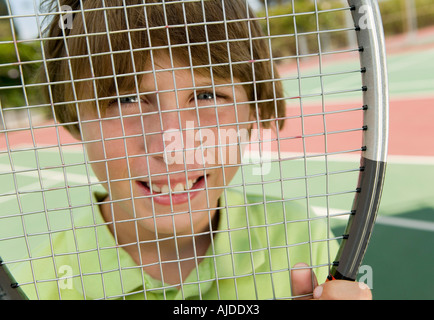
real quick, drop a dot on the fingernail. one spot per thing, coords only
(317, 292)
(300, 265)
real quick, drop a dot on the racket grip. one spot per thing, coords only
(331, 278)
(9, 289)
(336, 275)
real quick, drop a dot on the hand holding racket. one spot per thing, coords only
(305, 286)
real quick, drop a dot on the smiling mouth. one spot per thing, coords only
(178, 193)
(174, 187)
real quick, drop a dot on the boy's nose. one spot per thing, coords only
(172, 138)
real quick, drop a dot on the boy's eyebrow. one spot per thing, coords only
(199, 82)
(216, 82)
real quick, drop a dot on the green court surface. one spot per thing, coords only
(400, 251)
(397, 253)
(407, 72)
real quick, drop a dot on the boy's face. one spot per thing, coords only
(156, 146)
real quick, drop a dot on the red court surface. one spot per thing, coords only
(411, 118)
(411, 131)
(412, 127)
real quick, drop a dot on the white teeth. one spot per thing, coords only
(155, 188)
(179, 187)
(165, 189)
(190, 184)
(175, 188)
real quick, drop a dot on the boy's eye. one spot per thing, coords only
(127, 100)
(205, 96)
(128, 104)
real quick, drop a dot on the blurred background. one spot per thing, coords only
(400, 253)
(407, 23)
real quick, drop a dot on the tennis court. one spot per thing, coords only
(400, 252)
(404, 233)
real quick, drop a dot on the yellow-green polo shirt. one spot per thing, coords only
(249, 258)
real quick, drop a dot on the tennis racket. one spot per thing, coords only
(326, 81)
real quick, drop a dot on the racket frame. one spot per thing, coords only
(9, 289)
(370, 36)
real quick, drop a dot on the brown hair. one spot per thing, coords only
(89, 61)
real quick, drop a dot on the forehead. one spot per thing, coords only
(164, 69)
(165, 64)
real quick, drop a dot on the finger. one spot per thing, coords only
(343, 290)
(303, 281)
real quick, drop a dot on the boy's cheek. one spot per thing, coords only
(103, 150)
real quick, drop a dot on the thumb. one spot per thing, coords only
(303, 281)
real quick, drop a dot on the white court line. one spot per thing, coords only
(383, 220)
(416, 160)
(406, 223)
(47, 174)
(342, 157)
(253, 154)
(49, 178)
